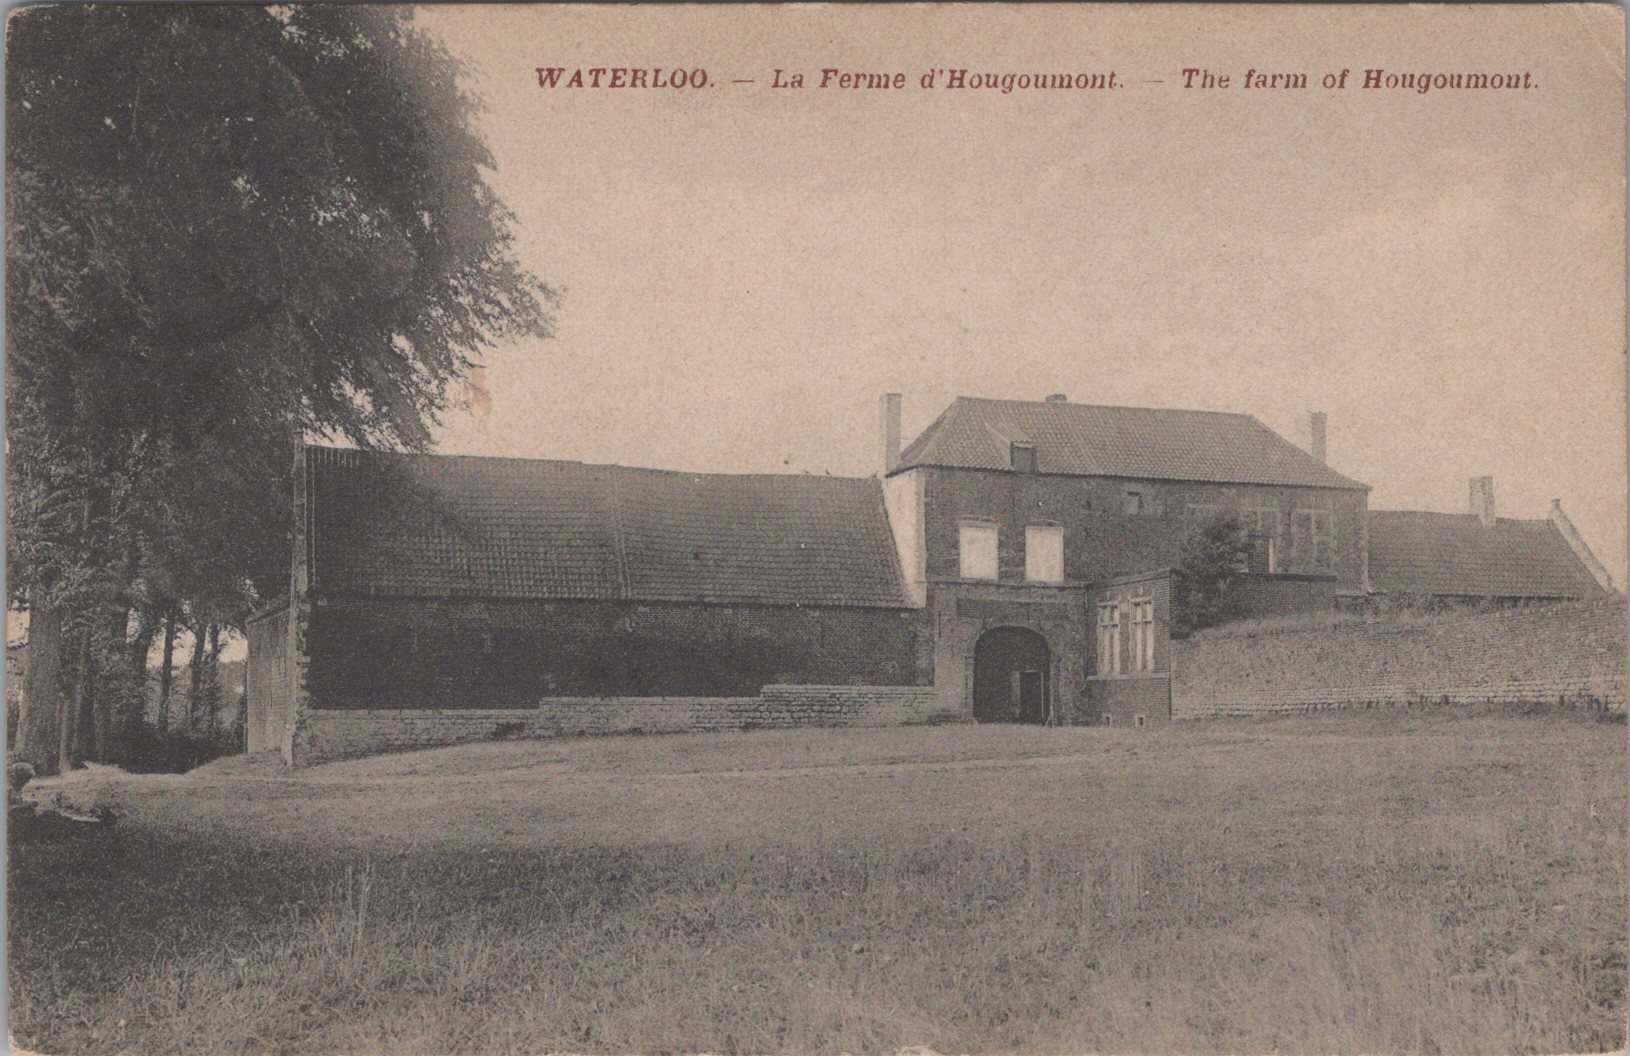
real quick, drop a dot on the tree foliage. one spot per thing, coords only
(1211, 557)
(229, 228)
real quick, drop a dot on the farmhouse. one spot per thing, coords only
(1011, 564)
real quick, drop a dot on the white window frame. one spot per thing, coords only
(1044, 541)
(1252, 518)
(1314, 544)
(1109, 637)
(971, 556)
(1143, 634)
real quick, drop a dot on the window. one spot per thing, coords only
(1024, 457)
(1143, 634)
(1262, 531)
(1132, 503)
(1140, 720)
(1109, 638)
(977, 539)
(1311, 540)
(1044, 553)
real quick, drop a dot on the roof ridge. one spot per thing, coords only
(446, 455)
(1473, 516)
(1107, 406)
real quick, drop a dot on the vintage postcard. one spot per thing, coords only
(816, 529)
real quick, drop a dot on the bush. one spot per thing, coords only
(1211, 558)
(149, 750)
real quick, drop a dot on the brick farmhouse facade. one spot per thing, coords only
(1010, 564)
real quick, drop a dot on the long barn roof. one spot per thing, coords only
(1138, 442)
(1455, 554)
(446, 526)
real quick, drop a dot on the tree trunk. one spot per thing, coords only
(134, 708)
(106, 690)
(141, 646)
(77, 710)
(167, 674)
(213, 719)
(45, 692)
(198, 636)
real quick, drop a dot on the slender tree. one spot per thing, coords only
(166, 674)
(229, 227)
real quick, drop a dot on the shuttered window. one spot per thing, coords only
(1044, 553)
(977, 543)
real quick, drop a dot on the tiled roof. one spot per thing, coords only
(430, 525)
(1144, 443)
(1415, 552)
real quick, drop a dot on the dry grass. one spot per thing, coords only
(1369, 882)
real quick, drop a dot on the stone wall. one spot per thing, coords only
(1573, 653)
(327, 735)
(266, 679)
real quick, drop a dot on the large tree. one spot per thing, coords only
(229, 228)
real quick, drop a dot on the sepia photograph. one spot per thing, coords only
(760, 529)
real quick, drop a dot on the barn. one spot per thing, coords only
(438, 599)
(1011, 564)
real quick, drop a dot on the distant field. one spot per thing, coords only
(1365, 882)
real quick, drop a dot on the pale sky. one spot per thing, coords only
(746, 269)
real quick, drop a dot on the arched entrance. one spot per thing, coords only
(1011, 670)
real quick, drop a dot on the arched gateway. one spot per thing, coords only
(1011, 673)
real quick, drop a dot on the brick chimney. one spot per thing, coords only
(1058, 397)
(1482, 500)
(889, 408)
(1310, 434)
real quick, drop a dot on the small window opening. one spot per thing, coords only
(1141, 721)
(977, 544)
(1024, 457)
(1044, 553)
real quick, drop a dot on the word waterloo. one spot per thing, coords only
(830, 77)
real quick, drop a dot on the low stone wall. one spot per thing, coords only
(1568, 653)
(327, 735)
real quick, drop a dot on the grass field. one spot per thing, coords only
(1365, 882)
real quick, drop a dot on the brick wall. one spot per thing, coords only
(378, 652)
(327, 735)
(1261, 596)
(1100, 541)
(1123, 701)
(266, 679)
(1574, 653)
(962, 612)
